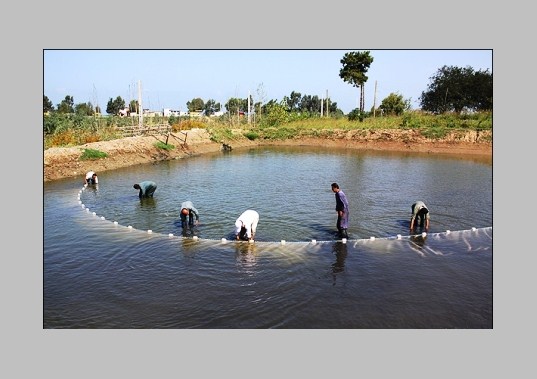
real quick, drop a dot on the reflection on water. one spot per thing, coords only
(120, 277)
(340, 250)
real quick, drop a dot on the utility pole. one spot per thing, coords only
(95, 101)
(248, 107)
(140, 108)
(326, 103)
(375, 100)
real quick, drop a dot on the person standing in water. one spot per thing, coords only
(342, 209)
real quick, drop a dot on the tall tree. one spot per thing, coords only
(84, 109)
(233, 105)
(196, 104)
(47, 105)
(133, 106)
(66, 106)
(114, 106)
(355, 65)
(211, 107)
(293, 101)
(454, 89)
(311, 104)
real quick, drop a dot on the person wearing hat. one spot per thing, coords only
(419, 210)
(91, 178)
(147, 188)
(342, 209)
(188, 209)
(246, 225)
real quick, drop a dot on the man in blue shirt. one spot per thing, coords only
(147, 188)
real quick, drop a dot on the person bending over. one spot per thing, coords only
(91, 178)
(246, 225)
(188, 210)
(147, 188)
(419, 210)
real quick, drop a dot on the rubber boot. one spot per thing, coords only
(344, 233)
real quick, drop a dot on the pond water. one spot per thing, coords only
(112, 260)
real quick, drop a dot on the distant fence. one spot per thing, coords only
(161, 129)
(135, 130)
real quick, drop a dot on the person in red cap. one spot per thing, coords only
(188, 209)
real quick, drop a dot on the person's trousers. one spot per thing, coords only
(342, 221)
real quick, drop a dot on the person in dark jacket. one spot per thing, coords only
(342, 209)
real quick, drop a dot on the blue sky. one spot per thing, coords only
(170, 78)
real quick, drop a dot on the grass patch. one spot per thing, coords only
(90, 154)
(221, 134)
(64, 132)
(251, 135)
(164, 146)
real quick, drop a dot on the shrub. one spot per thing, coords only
(355, 114)
(188, 124)
(63, 138)
(90, 154)
(251, 135)
(164, 146)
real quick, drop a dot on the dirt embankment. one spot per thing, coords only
(65, 162)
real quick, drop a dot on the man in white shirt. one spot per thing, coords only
(246, 225)
(91, 178)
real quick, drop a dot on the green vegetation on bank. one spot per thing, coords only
(164, 146)
(456, 99)
(430, 126)
(276, 125)
(90, 154)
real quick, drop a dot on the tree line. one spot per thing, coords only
(451, 89)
